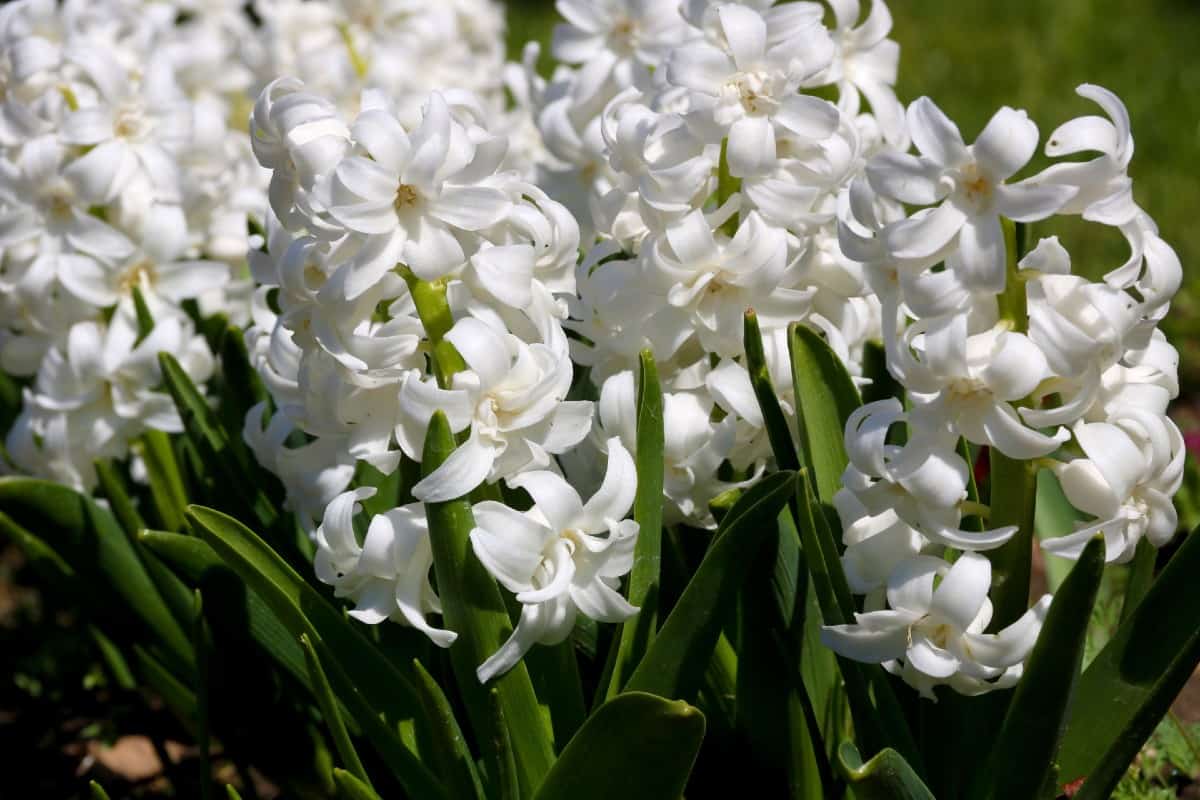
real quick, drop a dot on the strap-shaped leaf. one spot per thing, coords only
(90, 539)
(634, 747)
(112, 488)
(1038, 713)
(166, 483)
(98, 792)
(202, 644)
(1132, 682)
(363, 678)
(472, 606)
(350, 787)
(330, 711)
(764, 390)
(218, 449)
(47, 563)
(825, 398)
(1013, 501)
(449, 751)
(675, 663)
(880, 723)
(239, 385)
(507, 783)
(887, 776)
(637, 632)
(773, 708)
(193, 558)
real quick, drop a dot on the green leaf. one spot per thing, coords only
(880, 723)
(637, 633)
(202, 644)
(145, 320)
(48, 564)
(330, 711)
(634, 747)
(112, 487)
(166, 482)
(90, 539)
(1053, 516)
(449, 752)
(887, 776)
(231, 792)
(507, 783)
(178, 697)
(473, 606)
(1038, 713)
(1141, 577)
(764, 390)
(193, 558)
(1013, 502)
(220, 452)
(773, 708)
(240, 387)
(98, 792)
(363, 678)
(1132, 682)
(114, 659)
(675, 662)
(825, 398)
(350, 787)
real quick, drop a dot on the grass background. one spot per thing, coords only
(974, 56)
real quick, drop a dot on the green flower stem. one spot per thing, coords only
(434, 311)
(1013, 482)
(727, 186)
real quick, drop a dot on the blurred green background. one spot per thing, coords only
(973, 56)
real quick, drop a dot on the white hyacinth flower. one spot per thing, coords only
(561, 558)
(969, 184)
(387, 576)
(932, 636)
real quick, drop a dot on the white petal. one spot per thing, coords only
(612, 500)
(962, 593)
(1006, 144)
(187, 279)
(746, 32)
(980, 258)
(471, 208)
(879, 636)
(508, 543)
(905, 177)
(751, 149)
(506, 272)
(808, 116)
(1028, 202)
(924, 234)
(561, 564)
(483, 348)
(934, 134)
(554, 497)
(600, 602)
(931, 660)
(529, 629)
(432, 251)
(384, 138)
(459, 474)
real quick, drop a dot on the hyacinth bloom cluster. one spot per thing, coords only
(406, 273)
(127, 165)
(1025, 359)
(404, 226)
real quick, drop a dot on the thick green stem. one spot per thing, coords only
(727, 187)
(434, 310)
(1014, 307)
(1013, 482)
